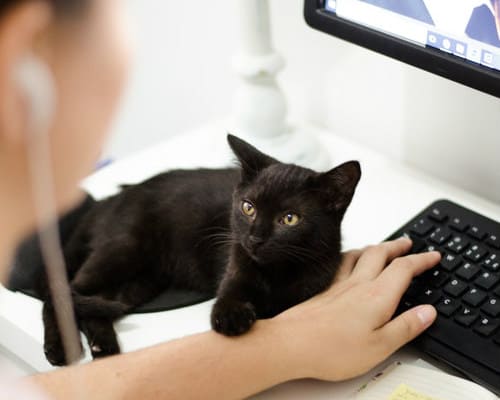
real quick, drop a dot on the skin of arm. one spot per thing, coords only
(206, 365)
(341, 333)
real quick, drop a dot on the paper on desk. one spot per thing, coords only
(411, 382)
(404, 392)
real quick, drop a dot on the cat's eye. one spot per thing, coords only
(290, 219)
(248, 208)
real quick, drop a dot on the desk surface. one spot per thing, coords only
(389, 194)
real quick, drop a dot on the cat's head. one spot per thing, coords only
(283, 212)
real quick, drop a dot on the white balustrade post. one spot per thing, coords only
(259, 108)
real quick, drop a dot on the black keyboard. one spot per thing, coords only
(464, 288)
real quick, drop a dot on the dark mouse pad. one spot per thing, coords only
(172, 299)
(28, 265)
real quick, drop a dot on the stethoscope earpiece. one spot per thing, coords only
(36, 83)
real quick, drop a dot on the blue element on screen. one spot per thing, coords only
(482, 26)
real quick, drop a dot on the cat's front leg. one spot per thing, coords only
(240, 297)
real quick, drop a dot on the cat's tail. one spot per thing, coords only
(97, 307)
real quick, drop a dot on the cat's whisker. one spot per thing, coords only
(214, 228)
(300, 250)
(221, 243)
(218, 239)
(305, 255)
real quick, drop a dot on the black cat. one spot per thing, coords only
(263, 238)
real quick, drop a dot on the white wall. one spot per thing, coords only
(183, 78)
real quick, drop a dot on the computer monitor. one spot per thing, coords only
(456, 39)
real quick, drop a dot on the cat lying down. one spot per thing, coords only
(262, 238)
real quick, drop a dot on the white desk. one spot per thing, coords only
(388, 195)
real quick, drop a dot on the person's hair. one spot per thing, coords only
(60, 6)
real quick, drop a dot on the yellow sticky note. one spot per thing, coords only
(404, 392)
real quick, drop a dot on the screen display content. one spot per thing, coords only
(469, 29)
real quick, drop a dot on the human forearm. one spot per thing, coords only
(206, 365)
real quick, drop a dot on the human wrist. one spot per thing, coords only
(285, 345)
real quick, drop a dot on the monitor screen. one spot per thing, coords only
(457, 39)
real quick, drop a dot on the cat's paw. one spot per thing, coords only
(104, 347)
(101, 337)
(232, 318)
(54, 354)
(54, 351)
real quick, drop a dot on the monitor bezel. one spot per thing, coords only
(432, 60)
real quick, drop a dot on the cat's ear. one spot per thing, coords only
(340, 184)
(251, 160)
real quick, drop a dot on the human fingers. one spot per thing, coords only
(389, 287)
(405, 328)
(375, 258)
(349, 260)
(396, 278)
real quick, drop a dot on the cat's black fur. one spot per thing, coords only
(186, 229)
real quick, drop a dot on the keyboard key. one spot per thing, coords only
(487, 280)
(458, 224)
(428, 296)
(475, 253)
(405, 305)
(413, 290)
(440, 235)
(476, 233)
(437, 215)
(436, 277)
(430, 248)
(449, 262)
(417, 246)
(455, 288)
(491, 307)
(417, 243)
(493, 241)
(447, 306)
(468, 271)
(422, 227)
(486, 326)
(474, 297)
(466, 316)
(494, 267)
(492, 262)
(457, 244)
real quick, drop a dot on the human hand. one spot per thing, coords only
(347, 330)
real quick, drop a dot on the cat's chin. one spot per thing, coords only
(251, 254)
(254, 257)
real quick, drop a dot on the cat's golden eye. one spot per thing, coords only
(290, 219)
(248, 208)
